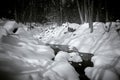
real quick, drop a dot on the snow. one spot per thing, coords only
(98, 73)
(58, 70)
(10, 26)
(62, 56)
(74, 57)
(73, 38)
(103, 60)
(65, 56)
(33, 55)
(103, 42)
(2, 32)
(61, 69)
(26, 49)
(82, 39)
(51, 75)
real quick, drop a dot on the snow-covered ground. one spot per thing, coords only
(24, 51)
(103, 43)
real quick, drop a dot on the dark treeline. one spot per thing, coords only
(60, 11)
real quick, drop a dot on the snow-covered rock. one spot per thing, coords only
(65, 56)
(103, 61)
(58, 70)
(62, 56)
(98, 73)
(61, 70)
(10, 26)
(75, 57)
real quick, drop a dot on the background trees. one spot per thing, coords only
(79, 11)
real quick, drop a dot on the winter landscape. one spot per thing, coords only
(31, 50)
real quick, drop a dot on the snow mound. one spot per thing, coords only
(62, 71)
(74, 57)
(98, 73)
(62, 56)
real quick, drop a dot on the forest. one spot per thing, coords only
(60, 11)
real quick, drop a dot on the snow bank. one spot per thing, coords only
(98, 73)
(25, 55)
(24, 58)
(27, 52)
(82, 39)
(39, 50)
(103, 61)
(103, 43)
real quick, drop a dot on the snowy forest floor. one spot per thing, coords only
(52, 52)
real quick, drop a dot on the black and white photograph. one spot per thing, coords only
(59, 40)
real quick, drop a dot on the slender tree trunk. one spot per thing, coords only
(97, 16)
(91, 15)
(106, 12)
(107, 18)
(85, 10)
(15, 11)
(61, 13)
(53, 2)
(80, 14)
(99, 11)
(15, 14)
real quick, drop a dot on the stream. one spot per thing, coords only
(79, 66)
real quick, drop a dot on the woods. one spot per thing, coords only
(60, 11)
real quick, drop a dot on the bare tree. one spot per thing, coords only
(80, 13)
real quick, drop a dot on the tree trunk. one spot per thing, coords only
(106, 13)
(80, 14)
(85, 10)
(91, 15)
(97, 16)
(61, 13)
